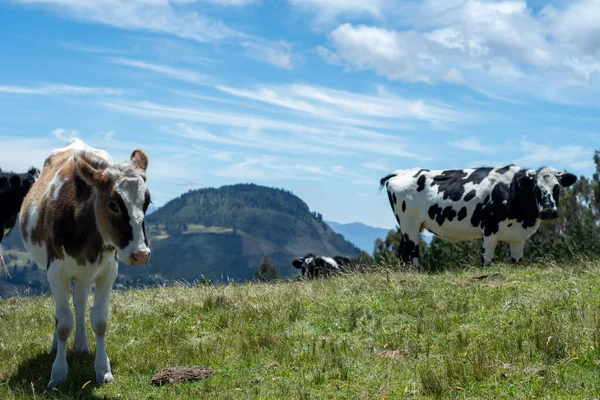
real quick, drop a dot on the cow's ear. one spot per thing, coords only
(94, 177)
(566, 179)
(526, 181)
(297, 263)
(15, 182)
(140, 159)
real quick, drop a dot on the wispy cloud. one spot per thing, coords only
(175, 73)
(177, 18)
(576, 157)
(345, 106)
(59, 89)
(474, 144)
(155, 16)
(277, 53)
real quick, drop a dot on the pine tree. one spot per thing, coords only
(266, 271)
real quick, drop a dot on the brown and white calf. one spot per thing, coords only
(83, 213)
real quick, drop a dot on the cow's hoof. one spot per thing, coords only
(105, 378)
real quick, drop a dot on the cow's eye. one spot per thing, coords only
(113, 207)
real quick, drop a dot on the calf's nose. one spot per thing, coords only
(139, 257)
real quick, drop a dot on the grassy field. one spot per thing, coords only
(522, 332)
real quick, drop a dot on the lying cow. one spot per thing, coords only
(13, 189)
(82, 214)
(314, 266)
(498, 204)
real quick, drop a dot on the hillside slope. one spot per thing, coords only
(380, 335)
(224, 233)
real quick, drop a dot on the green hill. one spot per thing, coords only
(224, 233)
(521, 333)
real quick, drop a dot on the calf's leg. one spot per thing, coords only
(64, 322)
(80, 299)
(99, 320)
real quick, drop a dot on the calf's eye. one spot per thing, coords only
(113, 207)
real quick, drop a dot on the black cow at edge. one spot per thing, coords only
(13, 189)
(499, 204)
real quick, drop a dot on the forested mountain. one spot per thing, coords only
(218, 234)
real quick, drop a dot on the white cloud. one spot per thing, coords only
(453, 76)
(175, 73)
(578, 158)
(151, 15)
(376, 166)
(226, 3)
(59, 89)
(504, 46)
(175, 18)
(275, 53)
(64, 136)
(326, 10)
(473, 144)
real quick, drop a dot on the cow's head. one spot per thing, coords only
(121, 203)
(304, 264)
(545, 184)
(13, 189)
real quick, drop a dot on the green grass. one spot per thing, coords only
(529, 332)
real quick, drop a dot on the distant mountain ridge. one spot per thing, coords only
(361, 235)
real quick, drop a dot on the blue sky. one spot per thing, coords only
(320, 97)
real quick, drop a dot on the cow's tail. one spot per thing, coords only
(385, 179)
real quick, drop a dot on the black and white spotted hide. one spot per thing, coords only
(320, 266)
(498, 204)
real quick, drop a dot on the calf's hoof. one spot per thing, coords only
(59, 374)
(105, 377)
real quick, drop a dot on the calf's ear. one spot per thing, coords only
(140, 159)
(566, 179)
(297, 263)
(94, 177)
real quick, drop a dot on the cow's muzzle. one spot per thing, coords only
(549, 214)
(139, 257)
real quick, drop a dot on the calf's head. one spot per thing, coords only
(13, 189)
(546, 184)
(122, 199)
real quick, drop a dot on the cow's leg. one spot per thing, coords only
(516, 251)
(64, 321)
(80, 299)
(487, 252)
(99, 320)
(411, 236)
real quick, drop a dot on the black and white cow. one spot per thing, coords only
(315, 266)
(13, 189)
(498, 204)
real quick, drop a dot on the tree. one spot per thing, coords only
(266, 271)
